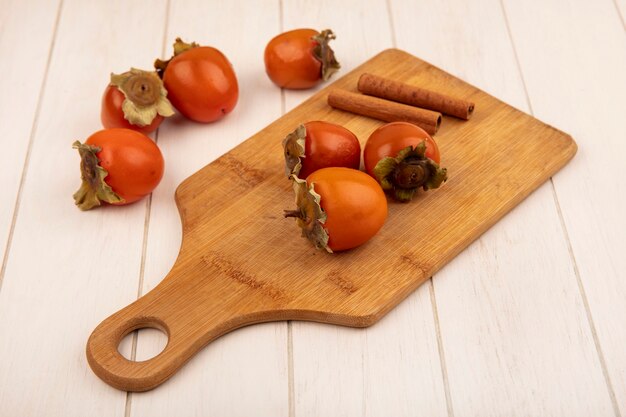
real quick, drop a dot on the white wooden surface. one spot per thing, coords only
(28, 43)
(529, 321)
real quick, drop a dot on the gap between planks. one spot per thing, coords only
(431, 286)
(146, 228)
(619, 14)
(31, 138)
(590, 321)
(392, 26)
(290, 372)
(581, 288)
(291, 391)
(142, 270)
(442, 358)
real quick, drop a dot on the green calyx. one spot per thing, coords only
(409, 171)
(293, 149)
(145, 96)
(325, 54)
(179, 47)
(93, 189)
(309, 214)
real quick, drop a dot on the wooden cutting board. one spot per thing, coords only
(241, 262)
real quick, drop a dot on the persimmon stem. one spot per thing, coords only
(93, 190)
(411, 174)
(145, 96)
(293, 213)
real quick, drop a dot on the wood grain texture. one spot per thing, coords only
(224, 279)
(67, 269)
(28, 43)
(570, 89)
(249, 364)
(509, 305)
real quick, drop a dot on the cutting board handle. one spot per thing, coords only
(187, 333)
(107, 362)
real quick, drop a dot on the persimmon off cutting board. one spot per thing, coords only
(241, 262)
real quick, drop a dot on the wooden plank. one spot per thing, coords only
(509, 305)
(402, 367)
(27, 41)
(354, 372)
(582, 88)
(249, 364)
(69, 269)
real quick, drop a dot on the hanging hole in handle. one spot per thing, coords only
(143, 342)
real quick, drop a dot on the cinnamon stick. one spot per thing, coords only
(385, 110)
(374, 85)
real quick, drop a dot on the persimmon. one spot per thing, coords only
(118, 166)
(300, 58)
(135, 100)
(403, 158)
(200, 81)
(338, 208)
(317, 144)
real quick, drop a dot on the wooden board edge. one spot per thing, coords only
(569, 150)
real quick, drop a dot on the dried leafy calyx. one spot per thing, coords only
(408, 171)
(325, 54)
(293, 148)
(309, 214)
(145, 96)
(179, 47)
(93, 189)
